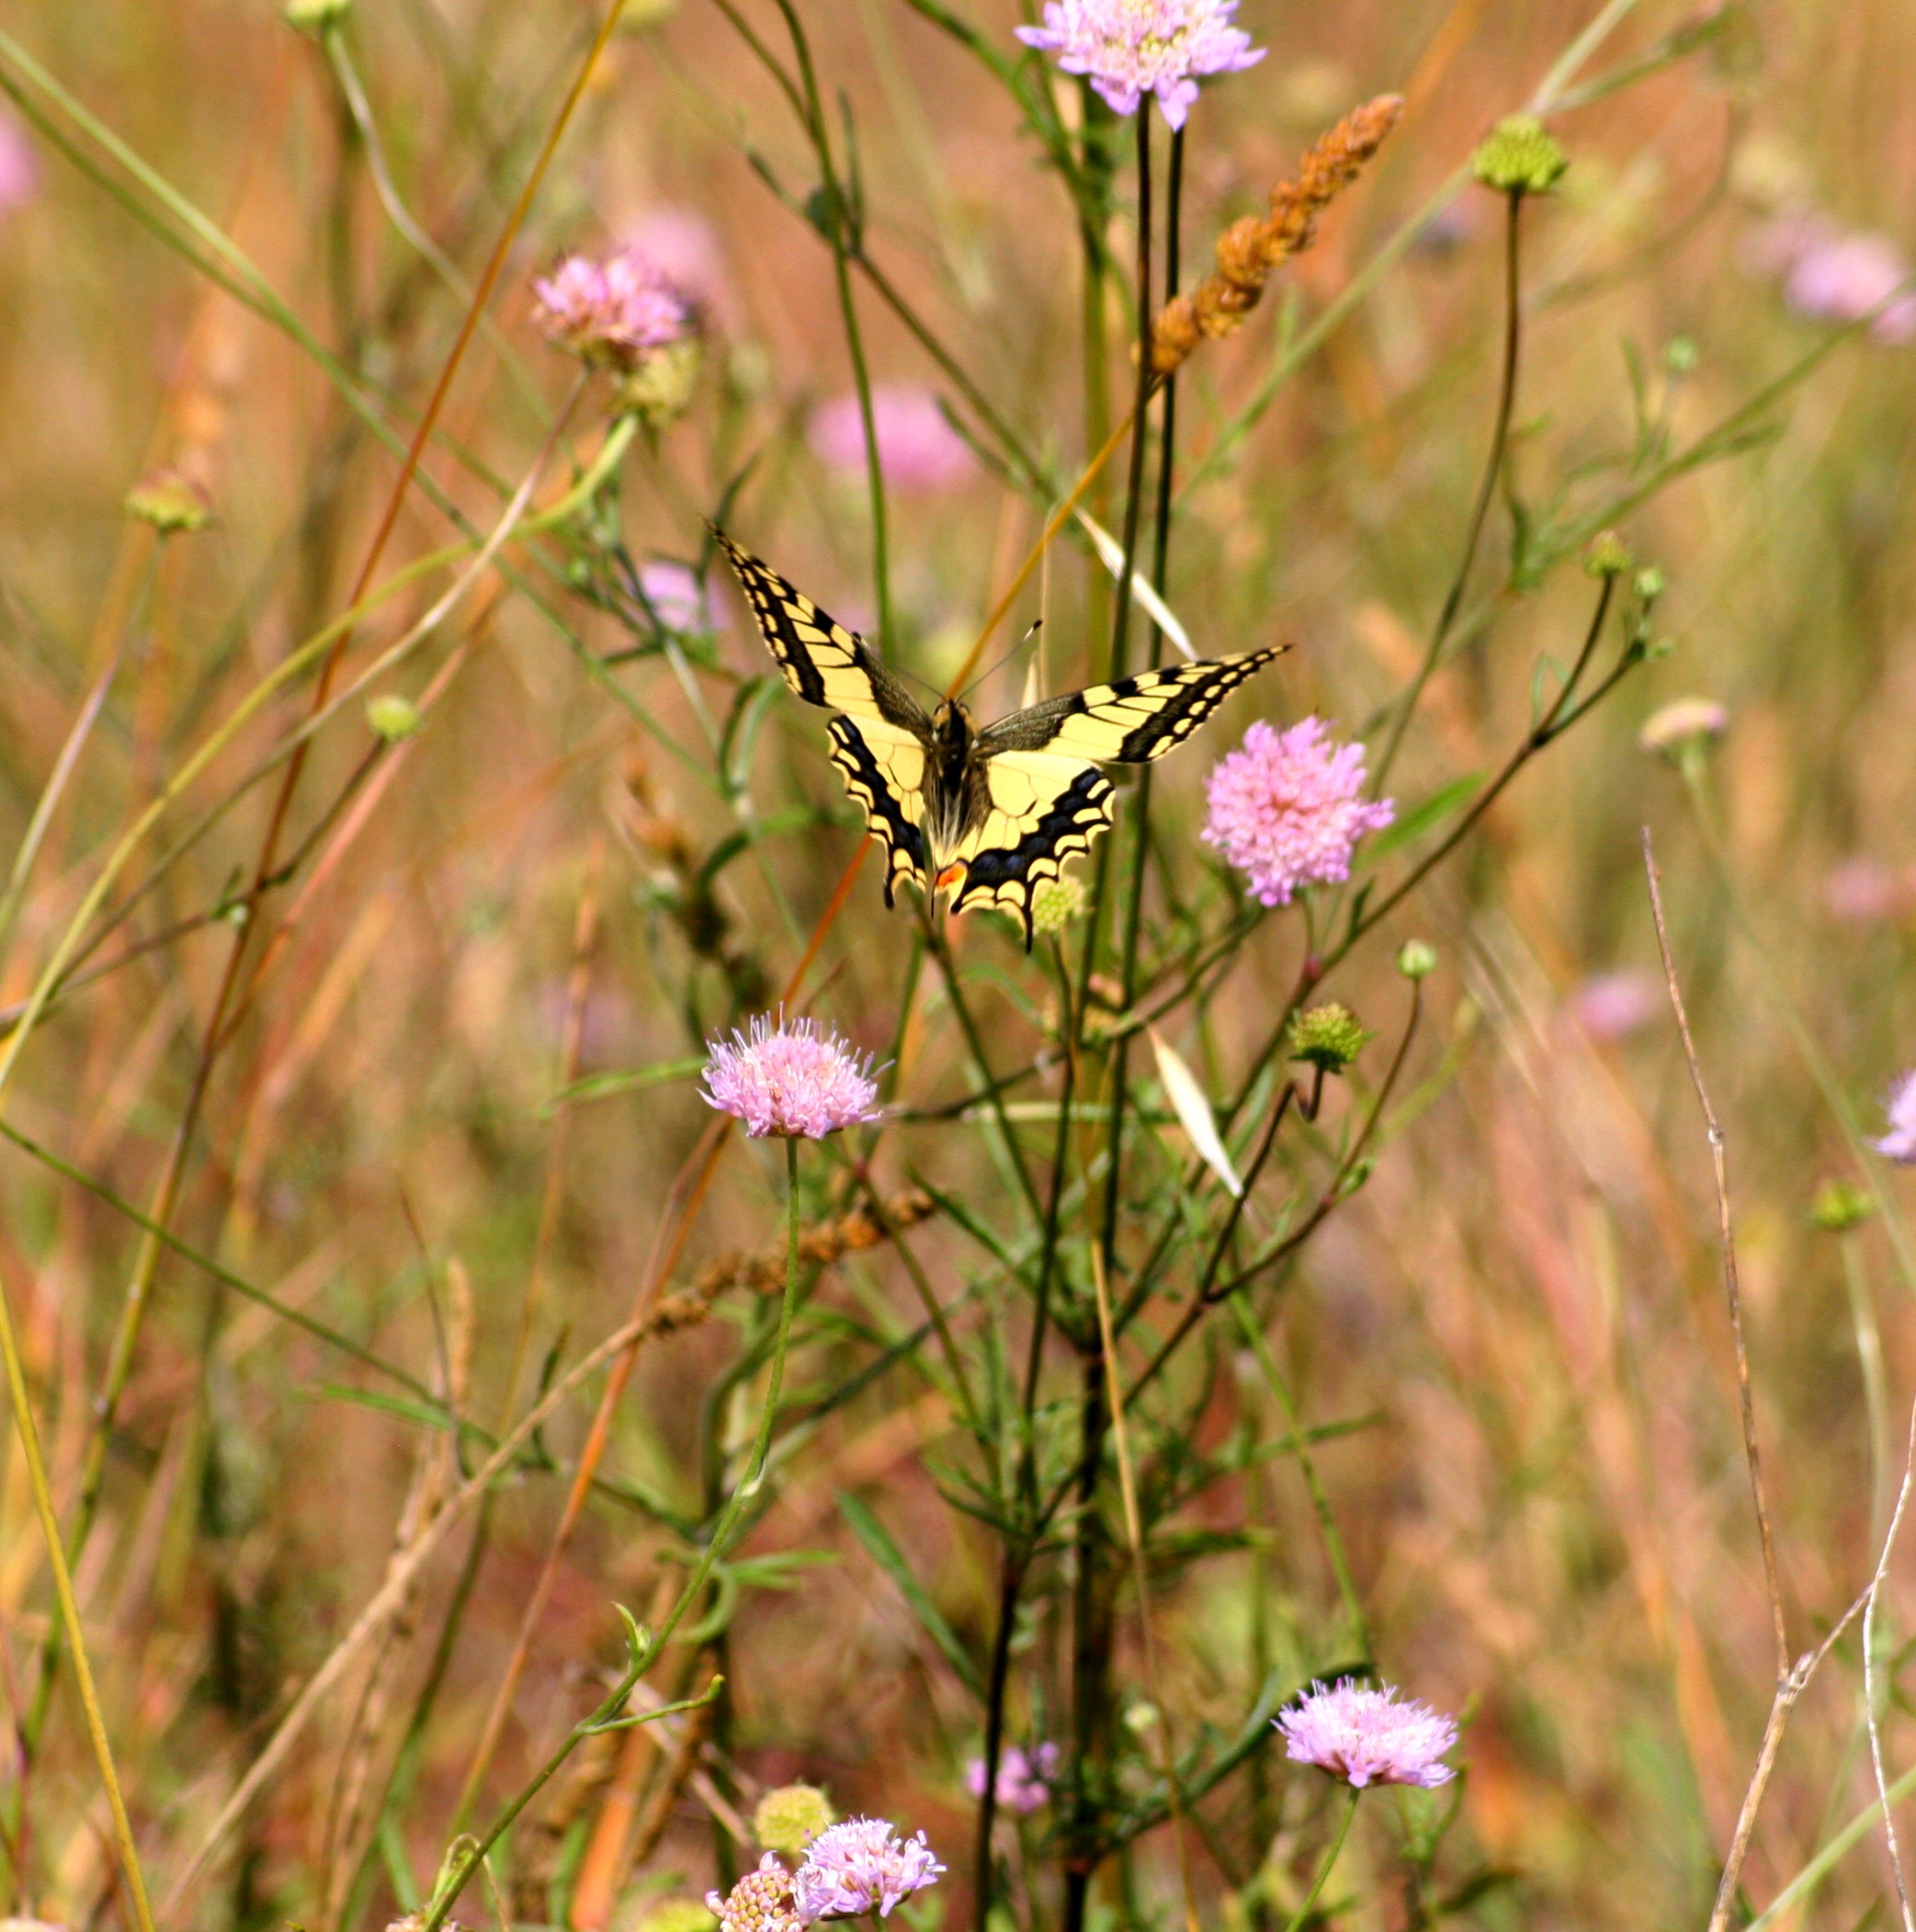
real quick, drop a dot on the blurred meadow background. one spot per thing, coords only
(337, 1106)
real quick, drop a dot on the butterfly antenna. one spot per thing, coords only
(1036, 624)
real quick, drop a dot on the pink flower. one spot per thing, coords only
(610, 314)
(1862, 891)
(1286, 809)
(1131, 48)
(862, 1866)
(1612, 1006)
(1899, 1143)
(1845, 278)
(761, 1901)
(20, 166)
(681, 245)
(1023, 1777)
(677, 598)
(1367, 1737)
(920, 451)
(789, 1079)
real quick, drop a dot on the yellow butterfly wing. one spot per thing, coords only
(823, 662)
(1043, 810)
(883, 765)
(1130, 721)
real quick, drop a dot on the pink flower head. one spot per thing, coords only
(761, 1901)
(1367, 1737)
(862, 1866)
(1862, 891)
(19, 167)
(919, 452)
(1127, 49)
(1899, 1143)
(1023, 1777)
(677, 598)
(610, 314)
(1612, 1006)
(1845, 278)
(1286, 809)
(789, 1079)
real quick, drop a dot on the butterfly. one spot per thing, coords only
(984, 815)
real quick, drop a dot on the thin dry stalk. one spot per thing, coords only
(1869, 1686)
(1250, 251)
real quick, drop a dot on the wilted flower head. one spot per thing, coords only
(790, 1078)
(1055, 902)
(919, 452)
(1023, 1777)
(1286, 809)
(1519, 157)
(171, 501)
(862, 1866)
(1127, 49)
(1675, 727)
(790, 1817)
(762, 1901)
(613, 313)
(1367, 1737)
(1839, 1206)
(1899, 1143)
(19, 167)
(1328, 1037)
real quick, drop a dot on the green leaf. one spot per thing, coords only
(1417, 821)
(599, 1086)
(883, 1552)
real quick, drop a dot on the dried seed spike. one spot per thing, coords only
(1248, 250)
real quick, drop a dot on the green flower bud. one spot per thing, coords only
(1519, 157)
(660, 389)
(789, 1818)
(1056, 903)
(393, 717)
(1329, 1037)
(1650, 583)
(1608, 556)
(1417, 959)
(314, 16)
(1840, 1206)
(636, 16)
(170, 501)
(1682, 355)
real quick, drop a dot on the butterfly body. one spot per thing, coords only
(986, 815)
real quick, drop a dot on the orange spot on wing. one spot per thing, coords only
(952, 875)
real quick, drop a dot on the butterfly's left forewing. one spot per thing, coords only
(1043, 810)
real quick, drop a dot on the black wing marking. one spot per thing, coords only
(1043, 810)
(1130, 721)
(884, 770)
(825, 664)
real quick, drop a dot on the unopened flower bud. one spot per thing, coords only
(1650, 583)
(1519, 157)
(1056, 903)
(392, 717)
(789, 1818)
(1608, 556)
(314, 16)
(169, 500)
(660, 389)
(1840, 1206)
(1328, 1038)
(1417, 959)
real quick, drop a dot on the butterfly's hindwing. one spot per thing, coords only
(1128, 722)
(884, 771)
(823, 662)
(1043, 810)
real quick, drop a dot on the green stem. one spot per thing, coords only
(1324, 1867)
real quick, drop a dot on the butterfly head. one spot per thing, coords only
(951, 724)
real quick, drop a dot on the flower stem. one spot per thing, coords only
(1325, 1866)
